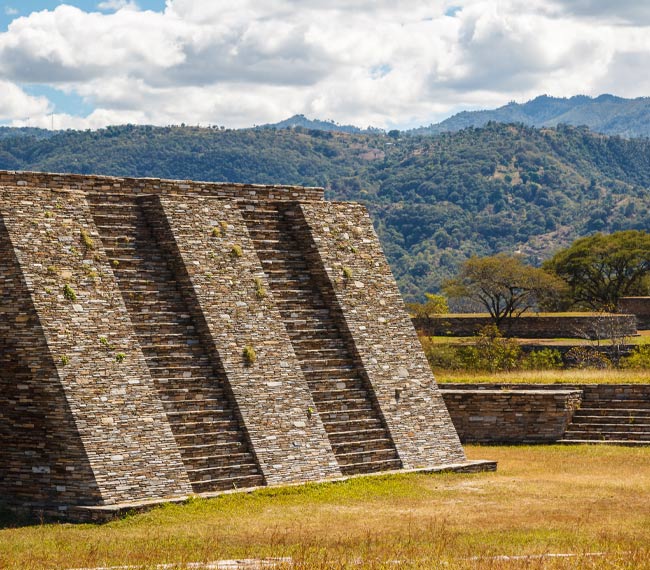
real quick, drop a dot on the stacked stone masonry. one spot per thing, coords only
(161, 338)
(550, 413)
(578, 325)
(637, 306)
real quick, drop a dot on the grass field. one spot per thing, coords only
(543, 500)
(570, 376)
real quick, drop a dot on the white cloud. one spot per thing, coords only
(16, 105)
(117, 5)
(357, 61)
(10, 11)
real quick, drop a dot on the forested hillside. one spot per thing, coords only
(434, 200)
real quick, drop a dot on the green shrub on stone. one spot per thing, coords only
(638, 359)
(236, 251)
(490, 352)
(86, 239)
(544, 359)
(441, 356)
(68, 293)
(249, 355)
(587, 357)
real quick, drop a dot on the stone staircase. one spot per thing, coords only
(357, 433)
(213, 446)
(611, 414)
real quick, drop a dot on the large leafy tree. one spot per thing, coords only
(600, 269)
(503, 284)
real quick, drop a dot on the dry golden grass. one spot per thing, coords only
(571, 376)
(544, 499)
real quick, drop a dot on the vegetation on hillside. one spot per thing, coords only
(435, 201)
(605, 114)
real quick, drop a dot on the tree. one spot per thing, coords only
(502, 284)
(600, 269)
(434, 305)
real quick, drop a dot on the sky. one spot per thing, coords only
(86, 64)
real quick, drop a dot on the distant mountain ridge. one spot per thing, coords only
(606, 114)
(317, 125)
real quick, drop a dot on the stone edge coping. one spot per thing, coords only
(565, 392)
(505, 387)
(153, 180)
(109, 512)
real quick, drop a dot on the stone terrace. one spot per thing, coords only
(160, 338)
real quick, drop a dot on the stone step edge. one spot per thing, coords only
(621, 442)
(105, 513)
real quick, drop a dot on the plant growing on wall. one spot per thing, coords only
(249, 355)
(260, 291)
(236, 251)
(86, 239)
(69, 293)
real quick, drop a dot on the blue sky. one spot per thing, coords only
(16, 8)
(92, 63)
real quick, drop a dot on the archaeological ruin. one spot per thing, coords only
(167, 338)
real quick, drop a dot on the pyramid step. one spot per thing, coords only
(211, 449)
(371, 467)
(620, 412)
(627, 419)
(346, 447)
(198, 428)
(211, 413)
(345, 426)
(226, 483)
(367, 456)
(356, 436)
(324, 392)
(203, 463)
(341, 416)
(606, 435)
(623, 442)
(643, 404)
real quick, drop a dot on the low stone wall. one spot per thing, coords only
(157, 186)
(494, 414)
(637, 306)
(580, 325)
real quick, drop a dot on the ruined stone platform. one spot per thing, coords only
(164, 338)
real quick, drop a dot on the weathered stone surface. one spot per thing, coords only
(59, 288)
(223, 272)
(386, 345)
(150, 347)
(511, 415)
(637, 306)
(534, 326)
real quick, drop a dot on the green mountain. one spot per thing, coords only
(434, 200)
(605, 114)
(304, 122)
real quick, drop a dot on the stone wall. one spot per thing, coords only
(84, 384)
(496, 414)
(148, 186)
(637, 306)
(82, 422)
(547, 413)
(578, 325)
(272, 395)
(348, 250)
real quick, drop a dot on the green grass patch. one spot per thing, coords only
(543, 499)
(570, 376)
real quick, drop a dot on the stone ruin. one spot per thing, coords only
(163, 338)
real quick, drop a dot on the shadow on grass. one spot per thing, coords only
(11, 519)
